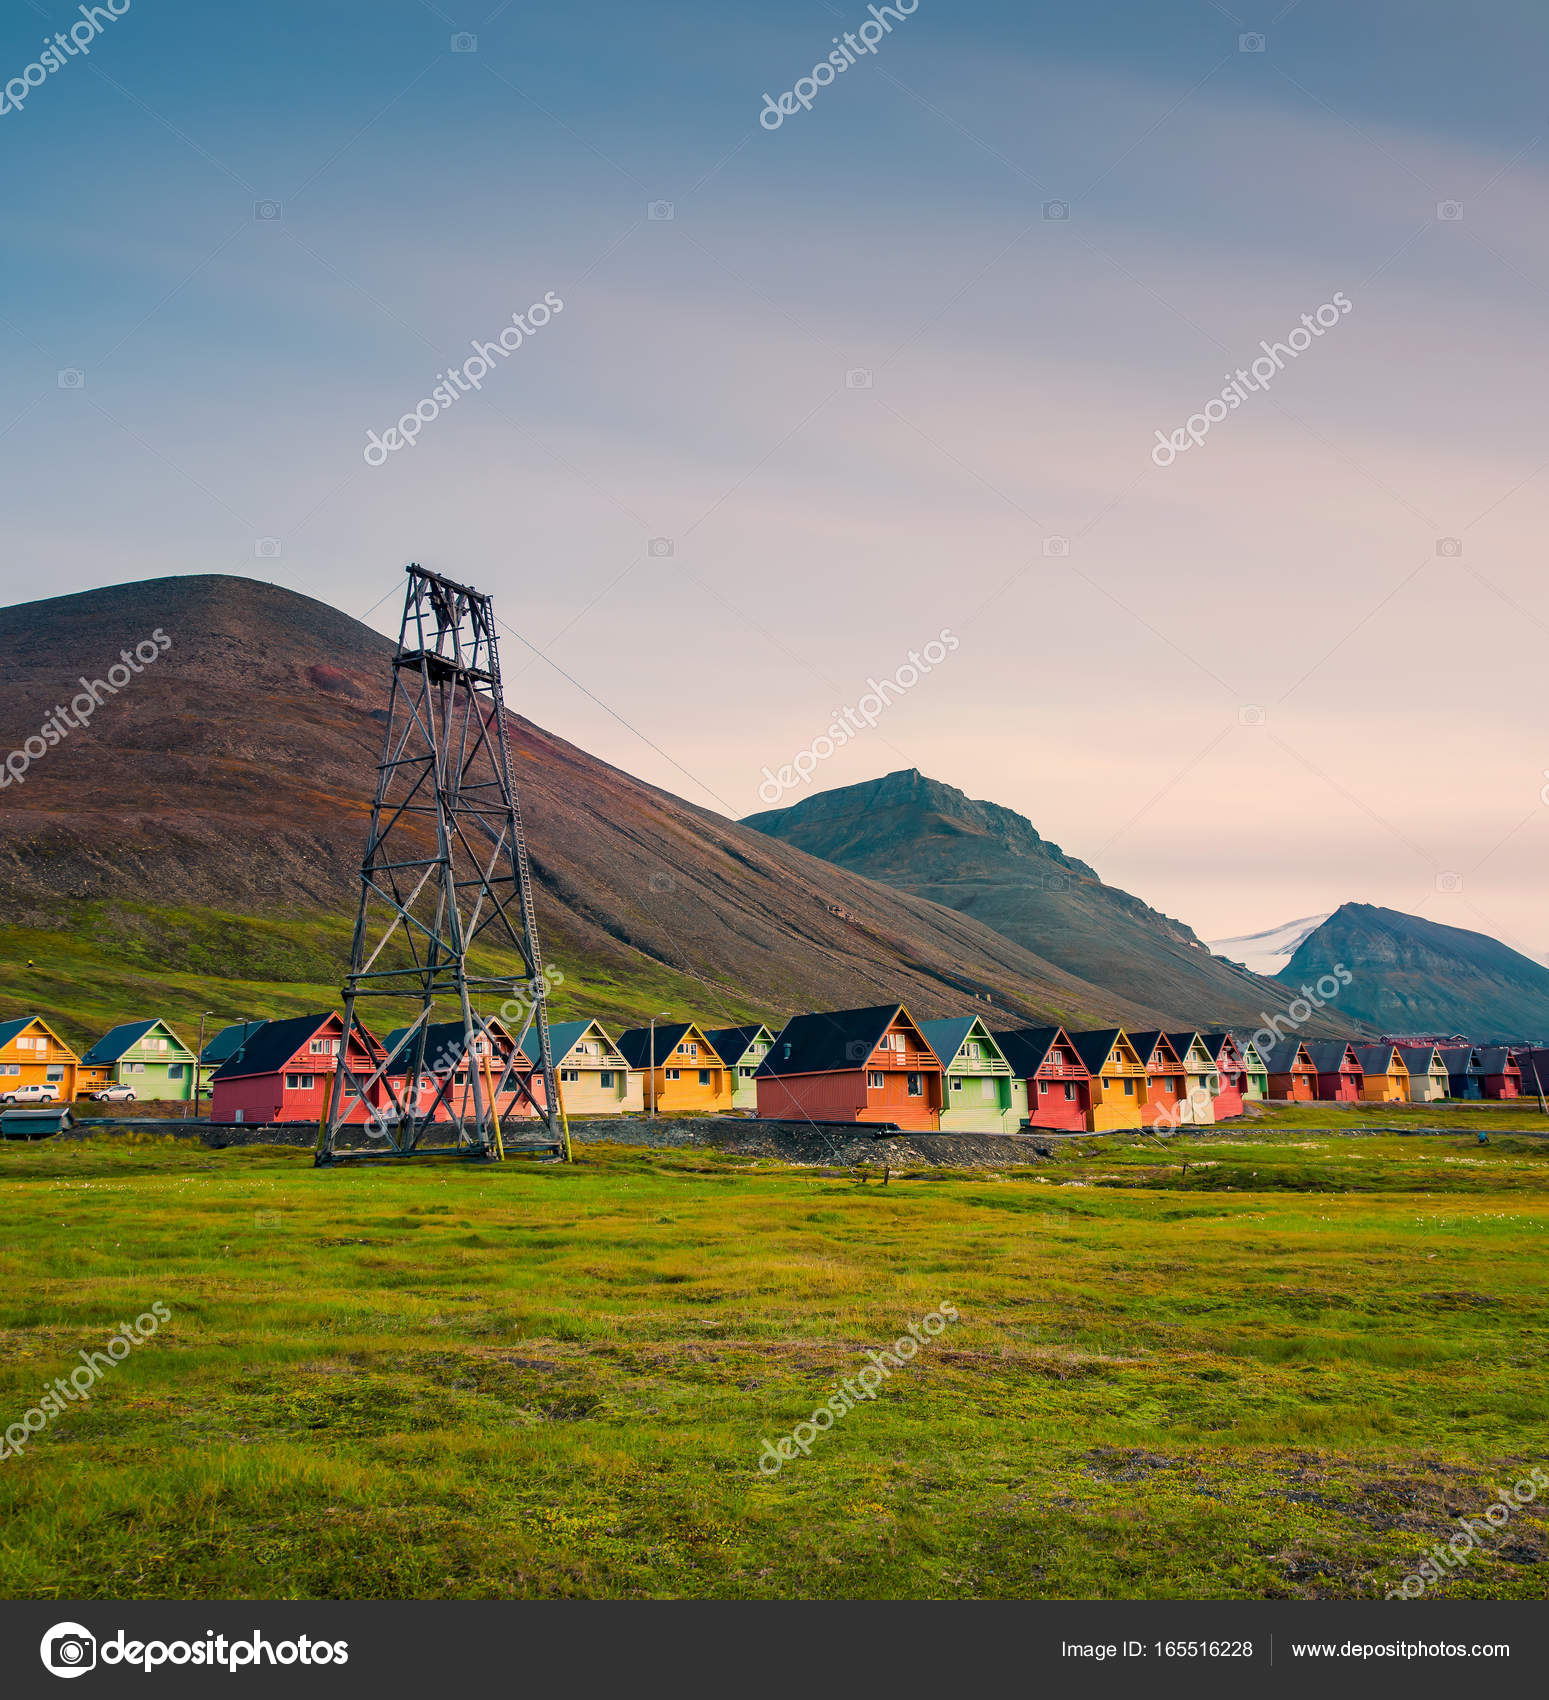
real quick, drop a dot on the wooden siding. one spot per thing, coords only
(37, 1056)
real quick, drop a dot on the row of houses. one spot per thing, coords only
(862, 1065)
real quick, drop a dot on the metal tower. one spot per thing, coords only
(445, 870)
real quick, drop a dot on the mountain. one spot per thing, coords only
(933, 841)
(1413, 975)
(1267, 952)
(196, 845)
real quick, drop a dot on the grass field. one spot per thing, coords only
(1269, 1364)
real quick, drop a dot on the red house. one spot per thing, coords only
(280, 1072)
(1340, 1075)
(852, 1065)
(1233, 1070)
(1059, 1089)
(1166, 1085)
(1502, 1071)
(1293, 1075)
(445, 1055)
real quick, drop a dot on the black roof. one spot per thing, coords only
(1280, 1058)
(1215, 1042)
(227, 1040)
(1328, 1055)
(269, 1049)
(1027, 1047)
(1093, 1048)
(1460, 1058)
(1377, 1059)
(730, 1043)
(1180, 1042)
(836, 1039)
(1495, 1057)
(635, 1045)
(1147, 1042)
(443, 1040)
(1417, 1056)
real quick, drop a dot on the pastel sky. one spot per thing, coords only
(1300, 665)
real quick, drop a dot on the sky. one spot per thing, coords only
(913, 361)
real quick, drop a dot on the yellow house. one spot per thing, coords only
(33, 1054)
(1385, 1077)
(1118, 1079)
(594, 1079)
(689, 1077)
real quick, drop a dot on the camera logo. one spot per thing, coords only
(857, 378)
(68, 1649)
(1056, 209)
(659, 548)
(72, 378)
(268, 548)
(462, 42)
(1250, 42)
(1449, 882)
(266, 211)
(1449, 548)
(1250, 714)
(1449, 212)
(660, 211)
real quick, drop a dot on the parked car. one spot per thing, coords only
(38, 1093)
(114, 1095)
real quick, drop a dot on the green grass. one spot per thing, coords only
(1280, 1371)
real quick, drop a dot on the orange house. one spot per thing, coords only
(1118, 1079)
(33, 1054)
(852, 1065)
(1293, 1075)
(678, 1068)
(1166, 1083)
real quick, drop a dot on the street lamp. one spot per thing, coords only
(651, 1072)
(199, 1059)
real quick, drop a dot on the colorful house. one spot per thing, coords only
(1117, 1079)
(446, 1054)
(852, 1065)
(1166, 1084)
(281, 1072)
(594, 1079)
(1293, 1076)
(1233, 1086)
(1502, 1072)
(146, 1056)
(1055, 1082)
(1384, 1074)
(33, 1054)
(689, 1076)
(1465, 1071)
(983, 1093)
(742, 1049)
(1257, 1065)
(1201, 1075)
(1427, 1073)
(1340, 1076)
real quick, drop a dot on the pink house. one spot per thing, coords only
(281, 1071)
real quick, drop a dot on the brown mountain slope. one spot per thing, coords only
(206, 827)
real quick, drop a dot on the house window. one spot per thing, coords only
(56, 1074)
(748, 1073)
(323, 1048)
(1107, 1083)
(874, 1079)
(605, 1080)
(300, 1082)
(674, 1074)
(1070, 1090)
(10, 1068)
(1043, 1086)
(916, 1085)
(704, 1077)
(174, 1071)
(1129, 1088)
(134, 1068)
(572, 1076)
(957, 1084)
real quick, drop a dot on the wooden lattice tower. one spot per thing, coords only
(445, 870)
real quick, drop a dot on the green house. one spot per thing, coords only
(1258, 1069)
(742, 1049)
(980, 1093)
(146, 1056)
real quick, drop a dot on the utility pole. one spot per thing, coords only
(199, 1060)
(445, 872)
(651, 1071)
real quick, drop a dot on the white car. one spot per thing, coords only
(35, 1094)
(114, 1095)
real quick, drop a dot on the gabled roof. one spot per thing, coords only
(227, 1040)
(1421, 1059)
(112, 1045)
(834, 1040)
(1183, 1042)
(1251, 1054)
(1498, 1058)
(10, 1029)
(269, 1049)
(635, 1045)
(1027, 1048)
(731, 1044)
(1095, 1048)
(1332, 1056)
(1285, 1056)
(1224, 1045)
(1378, 1059)
(564, 1036)
(1461, 1059)
(1155, 1048)
(948, 1036)
(443, 1040)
